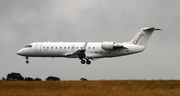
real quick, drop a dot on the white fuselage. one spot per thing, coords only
(62, 49)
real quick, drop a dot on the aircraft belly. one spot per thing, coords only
(50, 53)
(95, 55)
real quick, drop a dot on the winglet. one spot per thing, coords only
(84, 47)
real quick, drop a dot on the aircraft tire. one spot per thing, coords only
(88, 62)
(27, 62)
(83, 61)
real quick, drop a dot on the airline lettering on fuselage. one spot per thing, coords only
(101, 52)
(140, 36)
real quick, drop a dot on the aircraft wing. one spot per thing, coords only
(76, 54)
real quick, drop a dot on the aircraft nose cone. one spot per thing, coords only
(20, 52)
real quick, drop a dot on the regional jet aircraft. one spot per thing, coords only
(87, 51)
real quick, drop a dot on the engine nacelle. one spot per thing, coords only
(107, 45)
(111, 45)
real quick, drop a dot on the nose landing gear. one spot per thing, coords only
(27, 60)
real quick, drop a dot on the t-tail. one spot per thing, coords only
(143, 36)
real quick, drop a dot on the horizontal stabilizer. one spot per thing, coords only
(150, 29)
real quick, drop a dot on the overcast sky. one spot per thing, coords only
(26, 21)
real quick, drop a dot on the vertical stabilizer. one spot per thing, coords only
(143, 36)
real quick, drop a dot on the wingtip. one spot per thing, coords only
(85, 45)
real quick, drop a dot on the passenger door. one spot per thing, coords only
(38, 48)
(73, 47)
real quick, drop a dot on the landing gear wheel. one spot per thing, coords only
(83, 61)
(27, 62)
(88, 62)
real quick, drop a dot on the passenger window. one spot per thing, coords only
(64, 47)
(93, 47)
(56, 47)
(47, 47)
(89, 47)
(81, 47)
(60, 47)
(68, 47)
(43, 47)
(76, 47)
(51, 47)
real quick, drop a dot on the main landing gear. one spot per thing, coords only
(87, 61)
(27, 61)
(83, 58)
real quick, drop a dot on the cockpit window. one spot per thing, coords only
(28, 46)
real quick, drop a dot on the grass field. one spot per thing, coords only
(91, 88)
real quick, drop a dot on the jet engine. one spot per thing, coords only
(111, 45)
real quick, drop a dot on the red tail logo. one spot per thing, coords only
(136, 41)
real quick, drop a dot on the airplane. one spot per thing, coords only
(87, 51)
